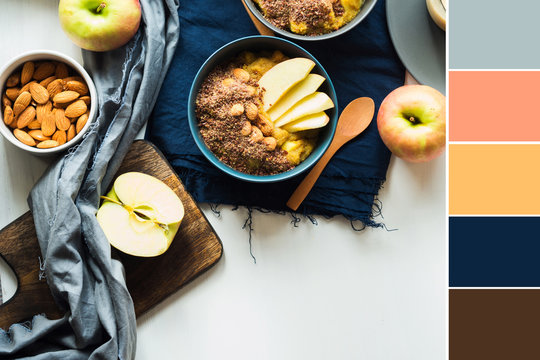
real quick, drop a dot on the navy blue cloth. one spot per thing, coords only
(361, 62)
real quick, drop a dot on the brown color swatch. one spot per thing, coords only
(494, 324)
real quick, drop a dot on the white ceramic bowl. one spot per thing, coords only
(39, 55)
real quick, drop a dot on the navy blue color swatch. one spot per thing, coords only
(494, 251)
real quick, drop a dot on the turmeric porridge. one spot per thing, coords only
(235, 127)
(309, 17)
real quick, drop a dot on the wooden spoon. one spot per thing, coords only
(354, 119)
(261, 28)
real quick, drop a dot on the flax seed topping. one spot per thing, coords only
(309, 17)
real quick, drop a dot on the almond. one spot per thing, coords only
(39, 93)
(47, 144)
(5, 100)
(12, 93)
(60, 137)
(13, 80)
(26, 117)
(48, 125)
(252, 112)
(38, 135)
(241, 75)
(236, 110)
(26, 87)
(21, 103)
(270, 143)
(44, 70)
(76, 109)
(65, 97)
(61, 106)
(86, 100)
(61, 70)
(246, 128)
(70, 132)
(250, 90)
(81, 122)
(8, 115)
(256, 134)
(47, 81)
(43, 110)
(24, 137)
(74, 78)
(228, 82)
(76, 86)
(34, 125)
(27, 72)
(55, 87)
(61, 121)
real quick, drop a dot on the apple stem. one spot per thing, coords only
(413, 119)
(101, 7)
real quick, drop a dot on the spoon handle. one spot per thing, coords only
(305, 186)
(261, 28)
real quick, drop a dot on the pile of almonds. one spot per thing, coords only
(259, 127)
(45, 104)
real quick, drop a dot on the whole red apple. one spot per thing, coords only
(412, 122)
(100, 25)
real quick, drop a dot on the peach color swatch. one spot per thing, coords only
(501, 179)
(494, 105)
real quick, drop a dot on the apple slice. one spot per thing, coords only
(313, 121)
(299, 91)
(283, 76)
(311, 104)
(140, 215)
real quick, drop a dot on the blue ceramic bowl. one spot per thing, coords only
(259, 43)
(364, 11)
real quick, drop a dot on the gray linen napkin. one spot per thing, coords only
(84, 280)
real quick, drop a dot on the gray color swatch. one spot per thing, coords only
(494, 34)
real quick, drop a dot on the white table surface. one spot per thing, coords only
(316, 292)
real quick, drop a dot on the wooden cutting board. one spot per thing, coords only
(195, 249)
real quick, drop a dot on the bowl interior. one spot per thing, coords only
(260, 43)
(39, 55)
(364, 11)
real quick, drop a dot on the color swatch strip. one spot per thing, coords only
(494, 324)
(494, 179)
(494, 105)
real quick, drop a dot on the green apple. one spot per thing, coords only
(412, 122)
(140, 215)
(299, 91)
(100, 25)
(311, 104)
(281, 77)
(313, 121)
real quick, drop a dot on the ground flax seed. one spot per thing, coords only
(226, 129)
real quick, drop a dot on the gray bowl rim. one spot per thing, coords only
(321, 147)
(357, 20)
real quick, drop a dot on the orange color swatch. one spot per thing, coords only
(494, 105)
(490, 179)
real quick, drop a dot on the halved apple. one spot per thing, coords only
(280, 78)
(311, 104)
(140, 215)
(299, 91)
(313, 121)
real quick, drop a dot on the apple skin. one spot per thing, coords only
(423, 140)
(108, 29)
